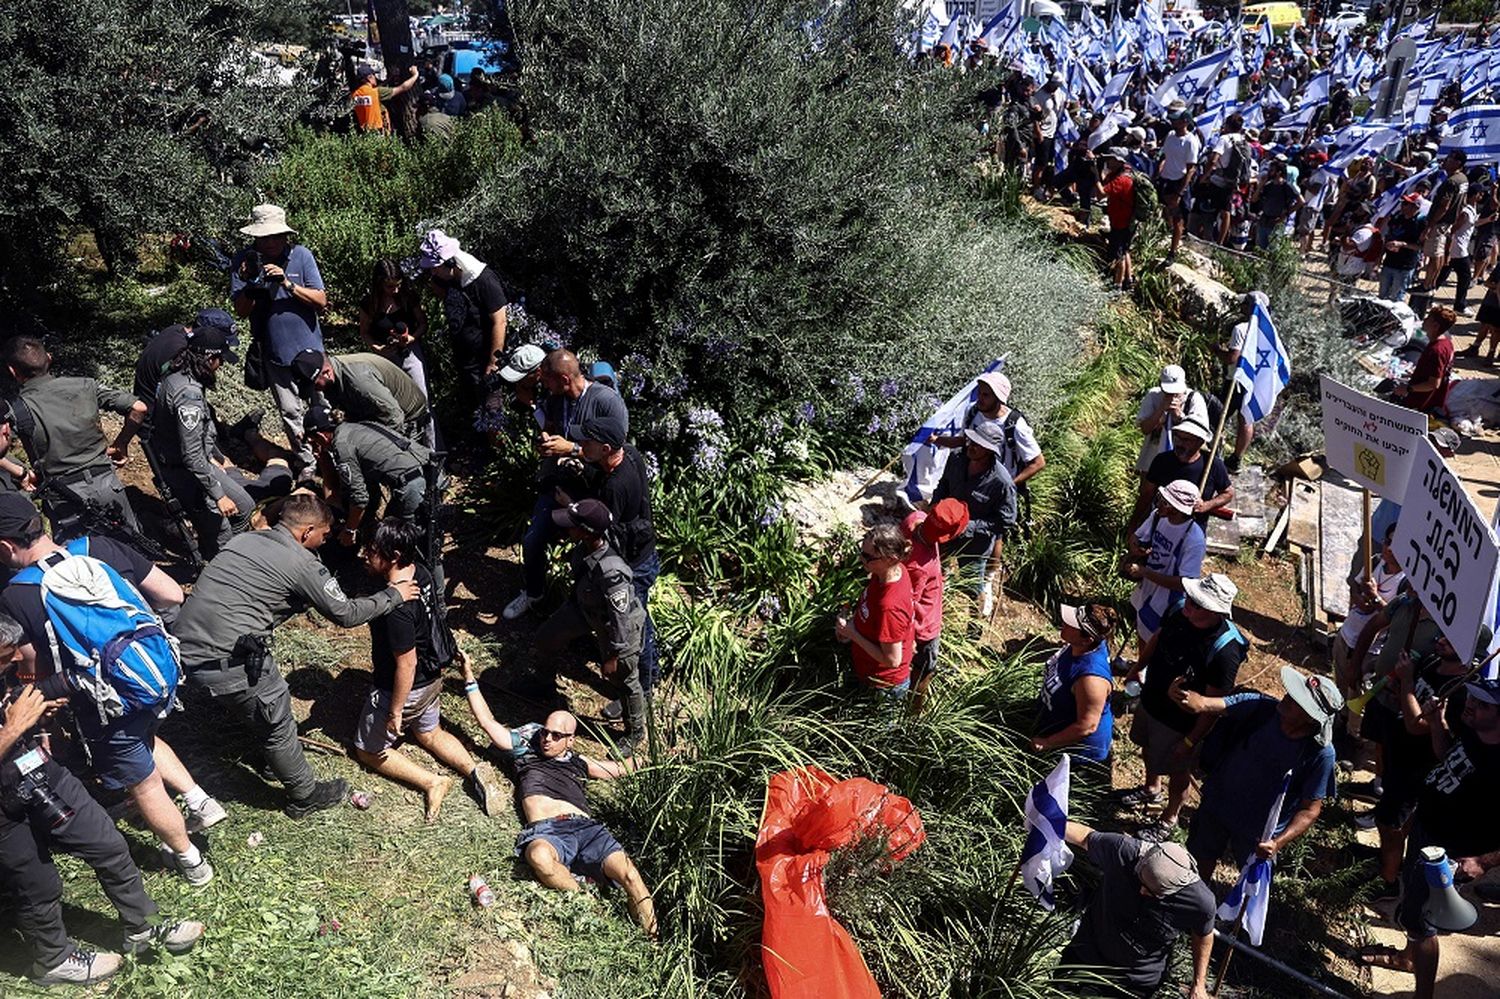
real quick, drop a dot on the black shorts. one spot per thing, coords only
(1208, 197)
(924, 659)
(1119, 242)
(1168, 189)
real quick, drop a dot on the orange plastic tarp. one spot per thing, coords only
(807, 954)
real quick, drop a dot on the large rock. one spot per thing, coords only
(1204, 300)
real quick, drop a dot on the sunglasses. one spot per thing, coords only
(1319, 696)
(865, 556)
(552, 733)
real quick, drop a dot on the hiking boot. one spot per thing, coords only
(205, 816)
(82, 967)
(197, 875)
(480, 785)
(1138, 797)
(520, 605)
(1232, 463)
(325, 794)
(245, 424)
(177, 938)
(1159, 831)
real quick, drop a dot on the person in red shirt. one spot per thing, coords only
(882, 634)
(1427, 389)
(927, 532)
(1119, 206)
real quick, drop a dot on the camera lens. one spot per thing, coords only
(51, 809)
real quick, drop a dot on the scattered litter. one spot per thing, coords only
(332, 926)
(360, 799)
(255, 839)
(480, 890)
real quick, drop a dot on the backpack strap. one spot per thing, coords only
(25, 423)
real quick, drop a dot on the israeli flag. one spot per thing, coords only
(1264, 368)
(1383, 40)
(924, 462)
(1266, 38)
(1250, 898)
(1114, 90)
(1210, 122)
(1067, 134)
(1475, 79)
(1387, 202)
(1045, 854)
(1476, 131)
(1316, 91)
(1372, 144)
(1082, 85)
(1271, 96)
(1428, 89)
(951, 35)
(1192, 83)
(1301, 118)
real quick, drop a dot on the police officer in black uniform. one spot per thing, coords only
(57, 421)
(45, 810)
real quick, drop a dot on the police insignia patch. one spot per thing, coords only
(333, 589)
(190, 416)
(619, 598)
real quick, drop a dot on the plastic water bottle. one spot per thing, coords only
(483, 894)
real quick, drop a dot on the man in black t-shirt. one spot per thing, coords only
(1200, 644)
(561, 839)
(1186, 460)
(1403, 248)
(474, 303)
(408, 652)
(1149, 893)
(1455, 810)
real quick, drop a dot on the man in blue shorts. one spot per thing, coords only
(560, 839)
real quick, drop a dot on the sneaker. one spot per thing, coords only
(1159, 831)
(205, 816)
(177, 938)
(480, 785)
(325, 794)
(1232, 463)
(613, 711)
(1139, 797)
(523, 603)
(986, 600)
(197, 875)
(82, 967)
(250, 421)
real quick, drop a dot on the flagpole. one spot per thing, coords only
(1208, 466)
(1231, 940)
(1369, 542)
(871, 480)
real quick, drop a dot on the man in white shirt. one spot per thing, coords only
(1045, 105)
(1176, 170)
(1168, 405)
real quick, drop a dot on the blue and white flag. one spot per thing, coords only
(1387, 202)
(1383, 40)
(1475, 79)
(1046, 854)
(1251, 895)
(1272, 97)
(953, 36)
(1264, 368)
(1316, 91)
(924, 462)
(1476, 131)
(1192, 83)
(1067, 134)
(1429, 87)
(1301, 118)
(1114, 90)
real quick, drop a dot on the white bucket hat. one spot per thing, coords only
(267, 220)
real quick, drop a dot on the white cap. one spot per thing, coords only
(1174, 380)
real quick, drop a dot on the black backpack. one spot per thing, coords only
(1236, 172)
(439, 635)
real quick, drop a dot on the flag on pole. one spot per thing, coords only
(924, 462)
(1193, 82)
(1045, 854)
(1476, 131)
(1252, 893)
(1114, 90)
(1264, 368)
(1387, 202)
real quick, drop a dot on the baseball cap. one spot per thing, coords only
(990, 436)
(1165, 868)
(1174, 379)
(437, 246)
(522, 361)
(17, 513)
(445, 82)
(1181, 494)
(1214, 592)
(219, 320)
(214, 342)
(590, 515)
(317, 418)
(1317, 696)
(307, 364)
(997, 383)
(949, 517)
(1486, 689)
(605, 429)
(602, 371)
(364, 70)
(1090, 619)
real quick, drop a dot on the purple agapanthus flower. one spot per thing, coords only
(807, 411)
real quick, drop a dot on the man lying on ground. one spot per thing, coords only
(560, 839)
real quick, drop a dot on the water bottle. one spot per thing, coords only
(483, 894)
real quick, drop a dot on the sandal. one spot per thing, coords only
(1389, 958)
(1139, 797)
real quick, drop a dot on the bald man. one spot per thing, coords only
(572, 401)
(561, 839)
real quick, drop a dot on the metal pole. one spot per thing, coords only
(1285, 969)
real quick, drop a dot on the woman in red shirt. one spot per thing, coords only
(1119, 206)
(882, 634)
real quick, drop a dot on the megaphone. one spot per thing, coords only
(1357, 705)
(1446, 908)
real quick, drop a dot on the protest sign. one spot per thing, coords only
(1446, 548)
(1370, 441)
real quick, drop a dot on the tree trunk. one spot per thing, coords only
(394, 21)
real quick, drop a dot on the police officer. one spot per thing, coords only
(57, 420)
(217, 496)
(254, 585)
(603, 604)
(368, 388)
(364, 457)
(11, 473)
(45, 810)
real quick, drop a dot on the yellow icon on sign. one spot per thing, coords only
(1371, 464)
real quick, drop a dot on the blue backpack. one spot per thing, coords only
(104, 638)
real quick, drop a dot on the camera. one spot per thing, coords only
(36, 791)
(252, 268)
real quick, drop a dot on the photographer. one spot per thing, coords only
(44, 809)
(275, 283)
